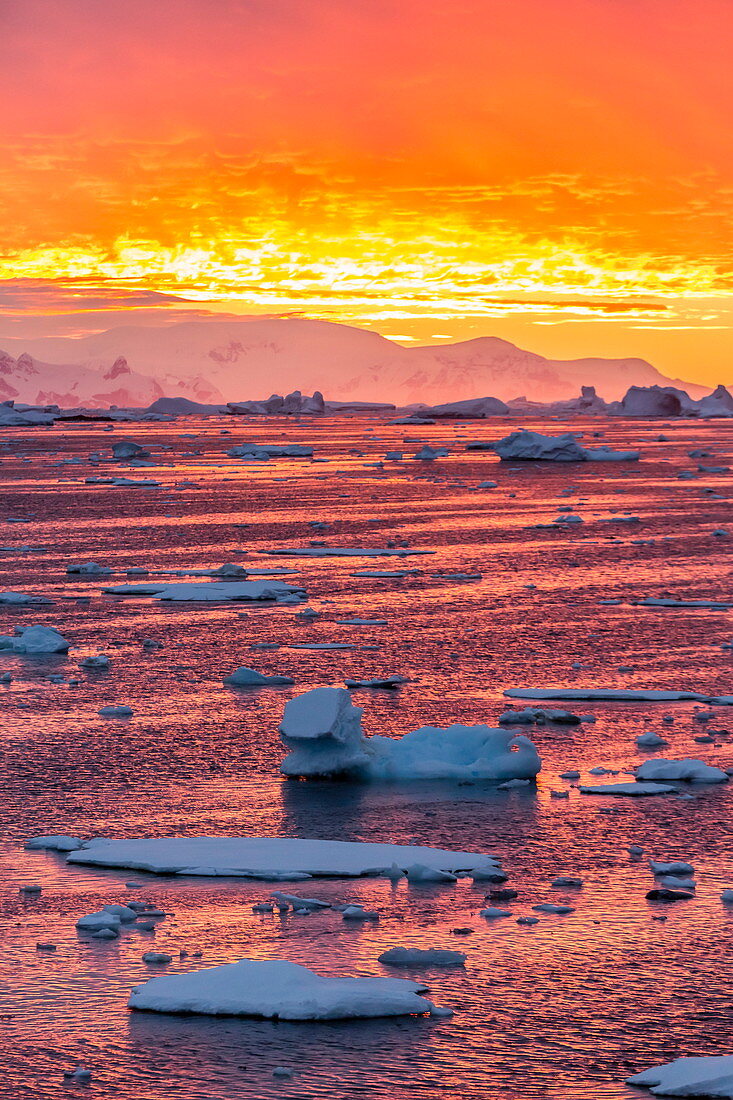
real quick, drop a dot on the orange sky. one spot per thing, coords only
(560, 174)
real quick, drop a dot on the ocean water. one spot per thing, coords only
(565, 1009)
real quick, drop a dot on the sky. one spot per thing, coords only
(556, 173)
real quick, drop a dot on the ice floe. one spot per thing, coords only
(634, 790)
(279, 990)
(618, 695)
(416, 956)
(248, 677)
(215, 591)
(701, 1077)
(269, 858)
(687, 770)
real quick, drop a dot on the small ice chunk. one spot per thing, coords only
(415, 956)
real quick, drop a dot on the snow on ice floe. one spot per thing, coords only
(270, 858)
(248, 677)
(618, 695)
(634, 790)
(215, 591)
(55, 842)
(322, 728)
(34, 641)
(279, 990)
(690, 771)
(702, 1077)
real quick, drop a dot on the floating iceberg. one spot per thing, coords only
(279, 990)
(534, 447)
(477, 408)
(322, 729)
(271, 858)
(248, 677)
(703, 1077)
(687, 770)
(34, 640)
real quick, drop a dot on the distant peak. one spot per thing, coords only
(118, 367)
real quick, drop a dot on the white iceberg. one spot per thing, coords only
(702, 1077)
(322, 728)
(532, 446)
(618, 695)
(687, 770)
(34, 640)
(248, 677)
(269, 858)
(279, 990)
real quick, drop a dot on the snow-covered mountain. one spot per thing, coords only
(239, 359)
(31, 381)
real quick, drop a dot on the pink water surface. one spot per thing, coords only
(564, 1010)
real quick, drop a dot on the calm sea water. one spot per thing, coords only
(565, 1009)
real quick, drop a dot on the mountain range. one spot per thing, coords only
(239, 359)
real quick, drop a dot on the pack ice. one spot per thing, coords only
(322, 728)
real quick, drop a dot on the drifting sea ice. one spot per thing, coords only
(323, 731)
(270, 858)
(635, 790)
(248, 677)
(690, 771)
(415, 956)
(279, 990)
(216, 591)
(618, 695)
(34, 640)
(702, 1077)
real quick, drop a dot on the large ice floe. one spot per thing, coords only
(322, 728)
(618, 695)
(280, 990)
(213, 592)
(703, 1077)
(277, 859)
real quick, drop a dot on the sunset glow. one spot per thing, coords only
(418, 168)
